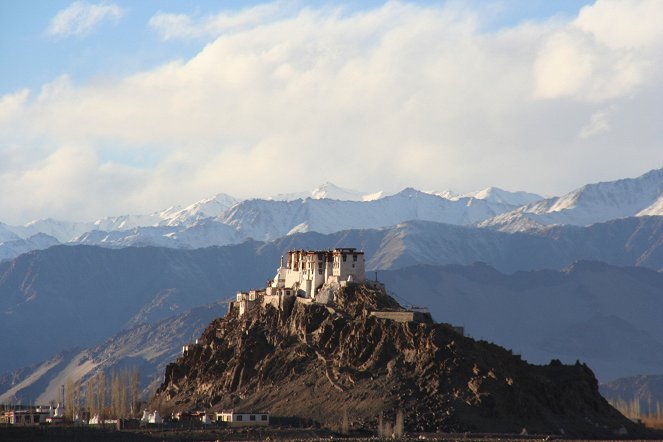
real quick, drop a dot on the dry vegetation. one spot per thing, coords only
(649, 412)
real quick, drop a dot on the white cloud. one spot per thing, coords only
(80, 18)
(182, 26)
(399, 95)
(610, 50)
(598, 123)
(624, 24)
(12, 104)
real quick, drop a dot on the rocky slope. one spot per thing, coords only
(322, 363)
(148, 347)
(606, 316)
(79, 296)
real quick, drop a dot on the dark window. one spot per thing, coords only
(252, 417)
(239, 417)
(345, 257)
(319, 271)
(320, 256)
(263, 417)
(354, 257)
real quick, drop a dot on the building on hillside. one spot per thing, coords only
(305, 271)
(243, 418)
(302, 274)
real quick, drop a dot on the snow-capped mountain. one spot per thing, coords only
(328, 191)
(268, 220)
(173, 216)
(7, 233)
(63, 231)
(207, 208)
(15, 247)
(589, 204)
(496, 195)
(493, 195)
(223, 219)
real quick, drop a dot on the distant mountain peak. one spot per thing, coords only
(501, 196)
(410, 192)
(590, 204)
(331, 191)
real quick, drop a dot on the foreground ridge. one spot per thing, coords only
(351, 352)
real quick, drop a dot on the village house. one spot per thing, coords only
(242, 418)
(30, 416)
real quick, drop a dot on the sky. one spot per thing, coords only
(123, 107)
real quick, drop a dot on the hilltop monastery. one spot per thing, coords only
(306, 274)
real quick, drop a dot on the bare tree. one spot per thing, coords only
(135, 391)
(399, 426)
(69, 398)
(89, 396)
(101, 393)
(77, 398)
(124, 392)
(387, 429)
(114, 393)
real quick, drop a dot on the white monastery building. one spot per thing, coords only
(303, 273)
(308, 270)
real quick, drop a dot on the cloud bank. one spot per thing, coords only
(399, 95)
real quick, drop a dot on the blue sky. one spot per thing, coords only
(131, 106)
(116, 47)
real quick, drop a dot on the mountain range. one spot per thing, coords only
(542, 314)
(223, 220)
(425, 245)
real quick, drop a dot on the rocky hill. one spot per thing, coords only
(324, 362)
(606, 316)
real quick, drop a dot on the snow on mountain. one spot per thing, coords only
(63, 231)
(447, 194)
(13, 248)
(205, 233)
(223, 219)
(137, 236)
(7, 233)
(493, 195)
(499, 196)
(267, 220)
(127, 222)
(589, 204)
(207, 208)
(656, 209)
(173, 216)
(329, 191)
